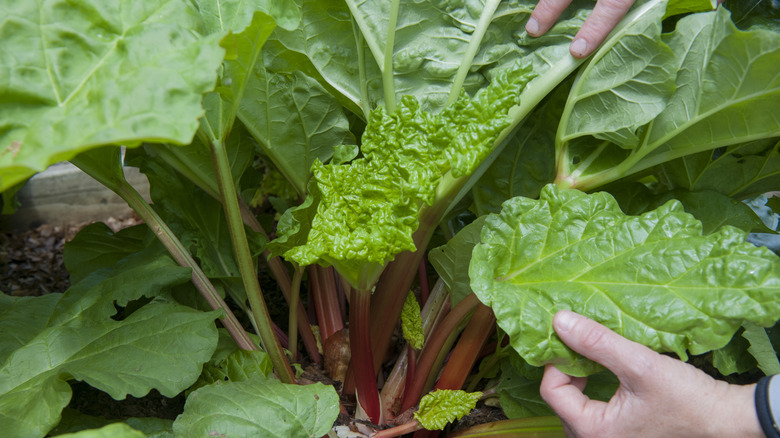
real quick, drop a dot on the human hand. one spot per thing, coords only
(605, 16)
(658, 396)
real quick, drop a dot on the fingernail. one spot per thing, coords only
(532, 26)
(564, 320)
(579, 46)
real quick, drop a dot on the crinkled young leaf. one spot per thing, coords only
(77, 76)
(654, 278)
(162, 345)
(364, 213)
(411, 322)
(259, 407)
(443, 406)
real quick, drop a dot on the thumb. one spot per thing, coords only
(627, 359)
(605, 16)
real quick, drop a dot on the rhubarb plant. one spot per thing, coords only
(431, 147)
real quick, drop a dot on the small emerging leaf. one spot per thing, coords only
(443, 406)
(411, 322)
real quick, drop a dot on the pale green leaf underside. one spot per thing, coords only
(115, 430)
(259, 407)
(652, 278)
(80, 75)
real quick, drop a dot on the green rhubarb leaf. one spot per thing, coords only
(238, 366)
(443, 47)
(727, 93)
(324, 47)
(677, 7)
(295, 121)
(114, 430)
(713, 209)
(634, 80)
(259, 407)
(96, 246)
(74, 421)
(247, 25)
(161, 345)
(443, 406)
(654, 278)
(411, 322)
(451, 261)
(132, 71)
(364, 213)
(734, 357)
(741, 171)
(761, 349)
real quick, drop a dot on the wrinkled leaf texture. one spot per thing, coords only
(359, 215)
(654, 278)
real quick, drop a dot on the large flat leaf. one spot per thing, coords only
(248, 25)
(727, 93)
(295, 120)
(634, 81)
(326, 48)
(259, 407)
(451, 261)
(162, 345)
(740, 171)
(442, 47)
(652, 278)
(77, 76)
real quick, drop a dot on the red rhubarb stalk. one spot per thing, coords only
(362, 360)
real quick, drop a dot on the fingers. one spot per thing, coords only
(563, 394)
(605, 16)
(629, 360)
(545, 14)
